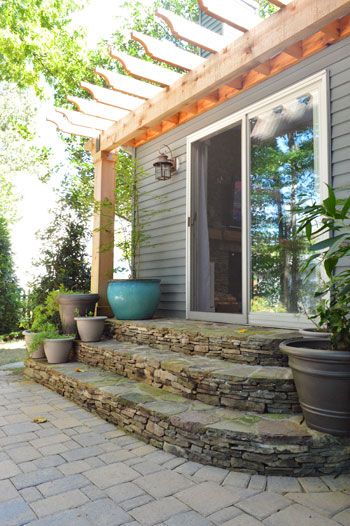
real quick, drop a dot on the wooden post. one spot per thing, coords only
(103, 228)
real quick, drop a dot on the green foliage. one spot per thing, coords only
(36, 42)
(63, 257)
(141, 18)
(46, 315)
(49, 334)
(266, 8)
(19, 155)
(326, 226)
(130, 226)
(64, 262)
(10, 293)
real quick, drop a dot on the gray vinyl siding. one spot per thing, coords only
(210, 23)
(163, 203)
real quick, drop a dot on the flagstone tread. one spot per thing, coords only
(236, 343)
(211, 380)
(278, 444)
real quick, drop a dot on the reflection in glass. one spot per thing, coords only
(216, 221)
(283, 172)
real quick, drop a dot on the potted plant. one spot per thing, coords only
(133, 298)
(45, 318)
(34, 351)
(321, 368)
(70, 303)
(90, 327)
(57, 347)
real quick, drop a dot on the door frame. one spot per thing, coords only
(317, 82)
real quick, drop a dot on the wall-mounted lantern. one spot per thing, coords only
(164, 166)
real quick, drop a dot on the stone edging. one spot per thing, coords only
(261, 390)
(190, 436)
(255, 349)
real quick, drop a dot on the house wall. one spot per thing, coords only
(163, 203)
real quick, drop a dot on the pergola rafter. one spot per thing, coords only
(128, 85)
(65, 126)
(145, 70)
(87, 121)
(97, 109)
(112, 97)
(232, 13)
(168, 52)
(192, 32)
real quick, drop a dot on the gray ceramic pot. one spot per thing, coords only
(39, 354)
(90, 328)
(71, 305)
(58, 350)
(313, 334)
(322, 380)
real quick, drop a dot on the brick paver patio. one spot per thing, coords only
(78, 470)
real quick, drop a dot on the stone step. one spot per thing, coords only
(265, 444)
(263, 389)
(235, 343)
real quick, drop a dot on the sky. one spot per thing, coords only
(100, 18)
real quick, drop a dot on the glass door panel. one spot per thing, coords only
(283, 172)
(216, 221)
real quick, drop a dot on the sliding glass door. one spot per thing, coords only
(216, 221)
(247, 179)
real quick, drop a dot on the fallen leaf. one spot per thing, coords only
(77, 370)
(242, 330)
(39, 420)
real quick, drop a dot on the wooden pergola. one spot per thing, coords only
(151, 99)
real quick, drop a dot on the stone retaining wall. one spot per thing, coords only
(249, 346)
(261, 392)
(283, 455)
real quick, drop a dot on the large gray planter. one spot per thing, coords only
(90, 328)
(39, 354)
(322, 380)
(314, 334)
(58, 350)
(71, 305)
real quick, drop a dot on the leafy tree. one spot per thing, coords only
(282, 175)
(18, 152)
(64, 260)
(10, 293)
(36, 42)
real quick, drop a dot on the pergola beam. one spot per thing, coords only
(168, 52)
(192, 32)
(111, 97)
(233, 13)
(145, 70)
(97, 109)
(128, 85)
(297, 21)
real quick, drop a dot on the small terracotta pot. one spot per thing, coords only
(58, 350)
(90, 328)
(39, 354)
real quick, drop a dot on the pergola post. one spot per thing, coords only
(103, 227)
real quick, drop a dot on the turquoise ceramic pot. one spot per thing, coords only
(133, 299)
